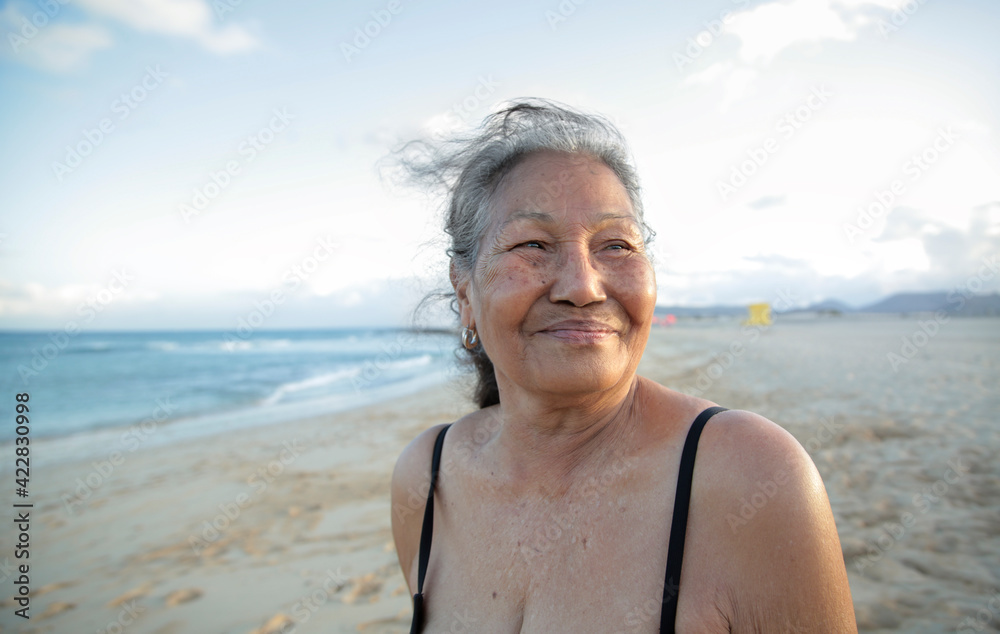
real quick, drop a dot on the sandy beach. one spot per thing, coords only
(286, 527)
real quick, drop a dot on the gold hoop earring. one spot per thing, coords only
(470, 338)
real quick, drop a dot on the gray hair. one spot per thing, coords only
(470, 168)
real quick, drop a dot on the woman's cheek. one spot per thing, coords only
(512, 275)
(636, 292)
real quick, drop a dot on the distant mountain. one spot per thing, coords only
(825, 306)
(908, 303)
(700, 311)
(900, 303)
(953, 302)
(976, 305)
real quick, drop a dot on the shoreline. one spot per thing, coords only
(289, 523)
(159, 430)
(178, 529)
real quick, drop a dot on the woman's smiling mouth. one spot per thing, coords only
(579, 331)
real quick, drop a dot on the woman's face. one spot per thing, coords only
(562, 295)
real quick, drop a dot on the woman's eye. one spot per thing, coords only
(531, 243)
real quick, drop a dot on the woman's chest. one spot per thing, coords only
(590, 561)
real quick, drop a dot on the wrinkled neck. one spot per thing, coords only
(547, 446)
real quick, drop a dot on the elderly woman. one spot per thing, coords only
(581, 497)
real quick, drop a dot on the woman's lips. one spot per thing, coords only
(579, 332)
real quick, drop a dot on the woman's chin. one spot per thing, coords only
(581, 381)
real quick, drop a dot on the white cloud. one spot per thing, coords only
(53, 46)
(734, 81)
(65, 47)
(59, 46)
(181, 18)
(32, 299)
(883, 4)
(768, 29)
(765, 31)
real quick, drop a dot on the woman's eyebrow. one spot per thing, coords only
(547, 218)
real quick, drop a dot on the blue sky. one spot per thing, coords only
(760, 129)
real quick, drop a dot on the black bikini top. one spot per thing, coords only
(675, 548)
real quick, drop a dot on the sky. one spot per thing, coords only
(188, 164)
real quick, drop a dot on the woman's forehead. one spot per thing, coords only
(548, 185)
(556, 167)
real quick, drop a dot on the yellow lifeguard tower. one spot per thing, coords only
(760, 315)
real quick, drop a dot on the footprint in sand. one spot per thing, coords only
(366, 586)
(53, 586)
(134, 593)
(178, 597)
(56, 608)
(400, 619)
(277, 624)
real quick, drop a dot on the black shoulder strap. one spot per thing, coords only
(678, 526)
(426, 534)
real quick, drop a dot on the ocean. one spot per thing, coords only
(93, 386)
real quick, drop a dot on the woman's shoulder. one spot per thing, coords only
(410, 486)
(414, 462)
(754, 446)
(747, 443)
(760, 526)
(415, 459)
(762, 506)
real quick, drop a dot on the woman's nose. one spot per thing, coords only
(577, 281)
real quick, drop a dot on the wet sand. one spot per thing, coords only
(283, 527)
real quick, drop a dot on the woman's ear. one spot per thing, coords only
(460, 282)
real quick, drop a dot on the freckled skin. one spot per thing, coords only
(576, 255)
